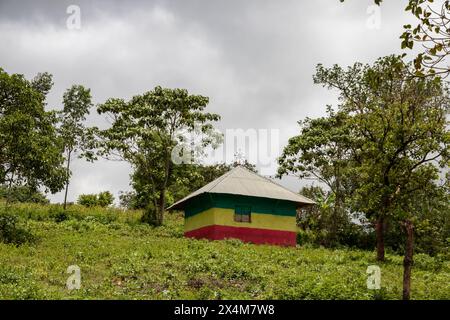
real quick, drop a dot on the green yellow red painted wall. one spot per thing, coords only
(212, 216)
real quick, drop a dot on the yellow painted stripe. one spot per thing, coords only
(203, 219)
(225, 217)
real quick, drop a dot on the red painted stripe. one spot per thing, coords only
(253, 235)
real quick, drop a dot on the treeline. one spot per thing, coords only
(162, 134)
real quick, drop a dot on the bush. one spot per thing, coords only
(103, 199)
(305, 236)
(58, 214)
(10, 232)
(87, 200)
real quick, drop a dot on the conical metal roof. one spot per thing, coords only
(241, 181)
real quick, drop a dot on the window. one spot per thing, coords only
(243, 214)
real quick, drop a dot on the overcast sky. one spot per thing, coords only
(253, 59)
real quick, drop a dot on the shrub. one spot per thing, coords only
(58, 214)
(10, 232)
(103, 199)
(87, 200)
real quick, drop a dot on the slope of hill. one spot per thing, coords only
(120, 258)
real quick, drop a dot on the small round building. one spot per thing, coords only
(243, 205)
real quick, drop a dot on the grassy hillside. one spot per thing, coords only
(123, 259)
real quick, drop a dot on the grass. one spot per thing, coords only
(120, 258)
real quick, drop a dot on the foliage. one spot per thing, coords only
(87, 200)
(120, 258)
(103, 199)
(319, 226)
(31, 151)
(322, 151)
(432, 31)
(22, 194)
(382, 152)
(187, 179)
(128, 200)
(11, 232)
(149, 132)
(398, 130)
(56, 213)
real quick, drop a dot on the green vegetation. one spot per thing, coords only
(382, 153)
(152, 130)
(22, 194)
(121, 258)
(77, 102)
(30, 148)
(103, 199)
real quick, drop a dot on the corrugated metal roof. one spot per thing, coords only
(242, 181)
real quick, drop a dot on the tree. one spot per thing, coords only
(77, 102)
(23, 194)
(402, 142)
(421, 199)
(150, 132)
(188, 178)
(30, 149)
(322, 151)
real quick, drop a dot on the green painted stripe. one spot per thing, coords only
(230, 201)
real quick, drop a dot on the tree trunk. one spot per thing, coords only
(161, 207)
(380, 238)
(408, 260)
(67, 183)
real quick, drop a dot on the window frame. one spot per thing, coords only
(241, 211)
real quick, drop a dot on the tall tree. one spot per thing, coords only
(77, 102)
(399, 122)
(147, 132)
(30, 149)
(419, 199)
(403, 142)
(322, 152)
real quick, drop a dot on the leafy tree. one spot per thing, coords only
(22, 194)
(193, 177)
(30, 149)
(322, 152)
(77, 102)
(402, 133)
(188, 178)
(147, 131)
